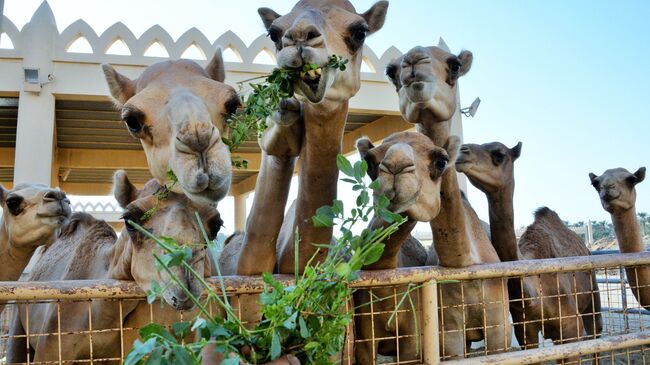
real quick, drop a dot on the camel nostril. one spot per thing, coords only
(54, 195)
(418, 86)
(202, 181)
(464, 149)
(390, 194)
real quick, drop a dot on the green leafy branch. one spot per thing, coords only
(307, 319)
(161, 195)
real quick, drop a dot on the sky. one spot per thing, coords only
(568, 79)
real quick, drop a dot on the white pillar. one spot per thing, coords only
(35, 130)
(240, 212)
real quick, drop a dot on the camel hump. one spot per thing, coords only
(82, 220)
(546, 213)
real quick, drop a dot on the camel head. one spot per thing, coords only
(32, 214)
(313, 31)
(616, 188)
(178, 110)
(409, 168)
(490, 166)
(173, 218)
(426, 79)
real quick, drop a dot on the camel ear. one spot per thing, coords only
(3, 193)
(121, 87)
(363, 146)
(268, 15)
(452, 147)
(465, 58)
(639, 175)
(516, 151)
(592, 178)
(123, 190)
(375, 16)
(216, 68)
(392, 71)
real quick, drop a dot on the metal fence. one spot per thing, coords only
(409, 315)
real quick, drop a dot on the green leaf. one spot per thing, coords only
(343, 269)
(389, 216)
(154, 329)
(290, 323)
(337, 207)
(363, 198)
(198, 323)
(344, 165)
(182, 356)
(155, 358)
(139, 351)
(324, 217)
(234, 360)
(383, 202)
(304, 330)
(276, 348)
(181, 328)
(373, 254)
(374, 185)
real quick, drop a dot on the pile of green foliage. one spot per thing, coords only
(306, 319)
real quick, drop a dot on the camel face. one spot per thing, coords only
(178, 110)
(615, 188)
(174, 218)
(33, 213)
(313, 31)
(489, 166)
(426, 77)
(409, 168)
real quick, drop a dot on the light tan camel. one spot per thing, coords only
(87, 249)
(426, 79)
(490, 168)
(311, 127)
(409, 168)
(616, 189)
(178, 110)
(32, 215)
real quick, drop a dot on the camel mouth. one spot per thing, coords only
(402, 205)
(312, 84)
(210, 194)
(420, 91)
(55, 218)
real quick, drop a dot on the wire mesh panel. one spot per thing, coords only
(572, 311)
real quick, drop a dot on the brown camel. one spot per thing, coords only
(32, 215)
(410, 168)
(618, 197)
(534, 303)
(87, 248)
(311, 127)
(426, 79)
(178, 110)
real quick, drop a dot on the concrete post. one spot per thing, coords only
(430, 325)
(590, 234)
(240, 212)
(35, 130)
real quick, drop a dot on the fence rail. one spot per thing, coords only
(626, 325)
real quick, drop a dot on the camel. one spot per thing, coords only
(409, 168)
(32, 215)
(310, 126)
(616, 189)
(178, 110)
(425, 79)
(534, 303)
(88, 249)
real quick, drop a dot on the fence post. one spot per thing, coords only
(590, 234)
(430, 340)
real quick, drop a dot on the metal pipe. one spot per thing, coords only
(557, 352)
(430, 340)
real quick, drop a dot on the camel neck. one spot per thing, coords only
(14, 260)
(628, 232)
(453, 245)
(392, 244)
(120, 254)
(502, 225)
(324, 127)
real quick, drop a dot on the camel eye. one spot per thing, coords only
(135, 218)
(441, 164)
(498, 157)
(274, 34)
(214, 226)
(359, 35)
(13, 204)
(134, 120)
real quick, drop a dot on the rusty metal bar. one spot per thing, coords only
(430, 339)
(115, 289)
(557, 352)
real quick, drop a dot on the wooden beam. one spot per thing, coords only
(90, 188)
(7, 156)
(80, 158)
(245, 186)
(376, 131)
